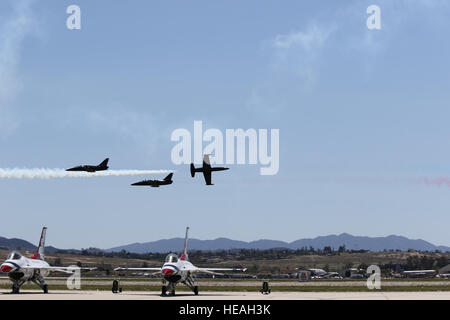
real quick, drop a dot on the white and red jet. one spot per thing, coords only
(21, 269)
(175, 270)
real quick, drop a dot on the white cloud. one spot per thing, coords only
(309, 40)
(296, 53)
(13, 29)
(294, 58)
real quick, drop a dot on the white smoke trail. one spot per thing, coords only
(437, 182)
(41, 173)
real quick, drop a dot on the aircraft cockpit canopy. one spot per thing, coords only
(172, 258)
(14, 256)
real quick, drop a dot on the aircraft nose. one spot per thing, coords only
(6, 268)
(167, 272)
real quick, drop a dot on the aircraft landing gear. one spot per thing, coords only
(170, 288)
(265, 288)
(41, 283)
(15, 288)
(115, 287)
(190, 283)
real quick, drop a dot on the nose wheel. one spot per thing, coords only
(165, 289)
(15, 289)
(16, 286)
(196, 290)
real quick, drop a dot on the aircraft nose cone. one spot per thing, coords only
(5, 268)
(167, 272)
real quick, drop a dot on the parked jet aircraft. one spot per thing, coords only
(206, 169)
(21, 269)
(101, 167)
(155, 183)
(175, 270)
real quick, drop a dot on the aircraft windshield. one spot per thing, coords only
(172, 258)
(14, 256)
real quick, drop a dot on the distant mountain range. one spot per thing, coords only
(19, 244)
(351, 242)
(16, 244)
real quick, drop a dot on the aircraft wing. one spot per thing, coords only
(60, 269)
(138, 269)
(213, 270)
(207, 176)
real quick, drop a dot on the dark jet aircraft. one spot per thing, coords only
(155, 183)
(101, 167)
(206, 169)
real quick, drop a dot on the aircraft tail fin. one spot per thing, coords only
(184, 256)
(192, 170)
(104, 163)
(169, 177)
(40, 254)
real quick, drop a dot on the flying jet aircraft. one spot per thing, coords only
(155, 183)
(175, 270)
(21, 269)
(101, 167)
(206, 169)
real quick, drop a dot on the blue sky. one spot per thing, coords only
(361, 113)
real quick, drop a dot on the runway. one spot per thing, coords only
(140, 295)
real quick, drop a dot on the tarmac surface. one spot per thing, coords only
(4, 281)
(139, 295)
